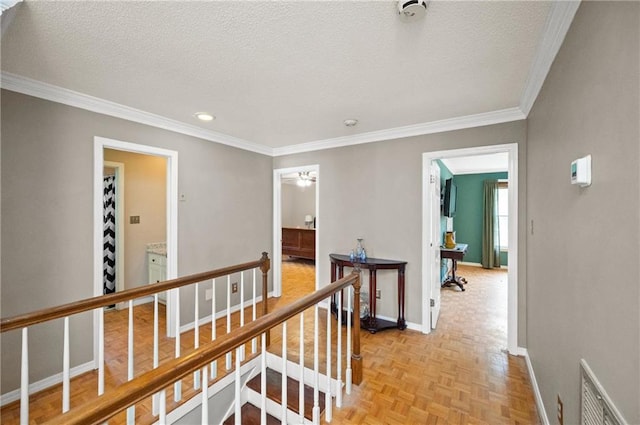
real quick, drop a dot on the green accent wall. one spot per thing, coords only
(444, 175)
(468, 220)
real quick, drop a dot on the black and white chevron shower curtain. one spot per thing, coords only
(109, 242)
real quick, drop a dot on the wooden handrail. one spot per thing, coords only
(109, 404)
(44, 315)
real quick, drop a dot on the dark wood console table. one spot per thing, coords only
(454, 254)
(373, 324)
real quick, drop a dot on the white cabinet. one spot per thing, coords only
(157, 272)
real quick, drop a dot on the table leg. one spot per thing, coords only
(402, 324)
(373, 323)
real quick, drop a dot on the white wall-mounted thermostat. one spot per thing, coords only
(581, 171)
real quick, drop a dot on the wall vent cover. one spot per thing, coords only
(597, 408)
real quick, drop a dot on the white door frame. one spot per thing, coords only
(99, 144)
(277, 222)
(120, 182)
(512, 275)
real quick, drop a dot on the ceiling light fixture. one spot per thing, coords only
(412, 10)
(204, 116)
(304, 179)
(350, 122)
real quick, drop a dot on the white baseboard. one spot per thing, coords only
(410, 325)
(45, 383)
(220, 314)
(467, 263)
(536, 390)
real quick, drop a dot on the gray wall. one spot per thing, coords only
(297, 202)
(374, 191)
(583, 291)
(47, 217)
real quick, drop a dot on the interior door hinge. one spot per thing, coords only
(433, 303)
(432, 178)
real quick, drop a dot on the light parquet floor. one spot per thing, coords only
(459, 374)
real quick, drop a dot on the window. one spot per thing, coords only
(503, 215)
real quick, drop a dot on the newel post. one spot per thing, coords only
(266, 265)
(356, 358)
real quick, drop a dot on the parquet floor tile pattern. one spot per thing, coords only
(459, 374)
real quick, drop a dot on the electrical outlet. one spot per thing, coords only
(234, 287)
(208, 294)
(378, 293)
(560, 411)
(134, 219)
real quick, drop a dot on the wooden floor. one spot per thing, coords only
(458, 374)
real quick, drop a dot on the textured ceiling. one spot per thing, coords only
(282, 73)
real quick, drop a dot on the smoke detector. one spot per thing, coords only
(412, 10)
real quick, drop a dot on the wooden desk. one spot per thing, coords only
(373, 324)
(454, 254)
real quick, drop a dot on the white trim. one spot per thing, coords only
(68, 97)
(100, 143)
(276, 262)
(512, 273)
(440, 126)
(222, 313)
(45, 383)
(534, 384)
(466, 263)
(558, 23)
(410, 325)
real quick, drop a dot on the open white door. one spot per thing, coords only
(434, 244)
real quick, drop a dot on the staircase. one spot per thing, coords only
(280, 390)
(252, 393)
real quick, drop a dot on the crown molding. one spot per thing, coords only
(90, 103)
(457, 123)
(558, 22)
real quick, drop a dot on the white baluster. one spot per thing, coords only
(263, 381)
(284, 373)
(162, 418)
(65, 367)
(242, 311)
(229, 317)
(316, 369)
(254, 341)
(339, 353)
(327, 397)
(100, 351)
(238, 401)
(349, 315)
(214, 364)
(177, 386)
(301, 380)
(154, 400)
(24, 379)
(131, 411)
(205, 397)
(196, 335)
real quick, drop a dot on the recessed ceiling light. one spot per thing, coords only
(204, 116)
(350, 122)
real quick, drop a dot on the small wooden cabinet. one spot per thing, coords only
(299, 243)
(157, 266)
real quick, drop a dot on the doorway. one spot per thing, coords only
(100, 144)
(429, 287)
(296, 216)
